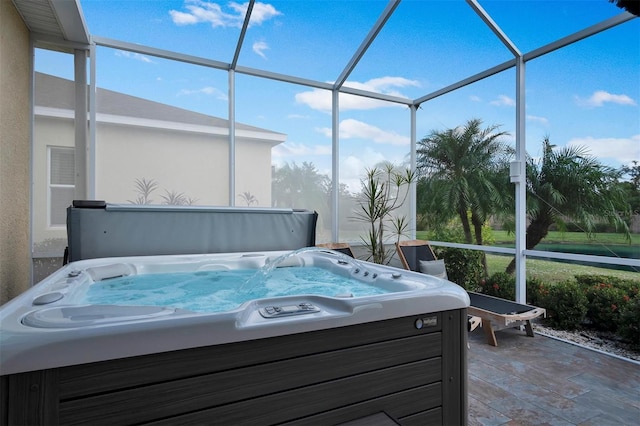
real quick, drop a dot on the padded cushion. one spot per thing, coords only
(434, 267)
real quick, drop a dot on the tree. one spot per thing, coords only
(144, 188)
(458, 170)
(631, 6)
(632, 187)
(569, 183)
(384, 191)
(634, 174)
(248, 198)
(303, 186)
(298, 186)
(174, 198)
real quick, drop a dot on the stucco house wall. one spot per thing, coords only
(180, 162)
(256, 182)
(181, 151)
(15, 152)
(190, 163)
(48, 131)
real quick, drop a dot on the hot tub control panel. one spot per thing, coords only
(288, 310)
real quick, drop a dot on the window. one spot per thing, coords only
(61, 183)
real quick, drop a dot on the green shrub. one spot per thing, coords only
(598, 228)
(604, 305)
(449, 230)
(607, 296)
(464, 267)
(629, 325)
(566, 305)
(630, 287)
(501, 285)
(591, 280)
(536, 288)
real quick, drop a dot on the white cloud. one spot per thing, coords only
(542, 120)
(326, 131)
(600, 97)
(503, 100)
(135, 56)
(261, 12)
(624, 150)
(319, 99)
(354, 129)
(352, 167)
(208, 90)
(199, 11)
(353, 102)
(474, 98)
(351, 128)
(259, 47)
(181, 18)
(384, 85)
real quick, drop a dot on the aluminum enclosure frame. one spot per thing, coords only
(73, 40)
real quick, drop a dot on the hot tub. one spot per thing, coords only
(376, 339)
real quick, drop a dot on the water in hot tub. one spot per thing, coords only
(222, 290)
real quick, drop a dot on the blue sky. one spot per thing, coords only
(586, 94)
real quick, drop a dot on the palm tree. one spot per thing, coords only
(298, 186)
(569, 183)
(631, 6)
(302, 186)
(459, 168)
(632, 186)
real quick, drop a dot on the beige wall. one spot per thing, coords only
(57, 132)
(194, 164)
(15, 78)
(190, 163)
(253, 172)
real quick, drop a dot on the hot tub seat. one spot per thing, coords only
(498, 314)
(495, 313)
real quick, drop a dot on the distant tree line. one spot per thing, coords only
(463, 179)
(464, 174)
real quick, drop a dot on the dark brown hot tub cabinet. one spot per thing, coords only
(412, 368)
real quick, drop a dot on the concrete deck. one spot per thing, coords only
(544, 381)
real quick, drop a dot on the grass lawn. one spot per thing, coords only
(557, 271)
(549, 271)
(572, 237)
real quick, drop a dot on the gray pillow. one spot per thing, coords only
(434, 267)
